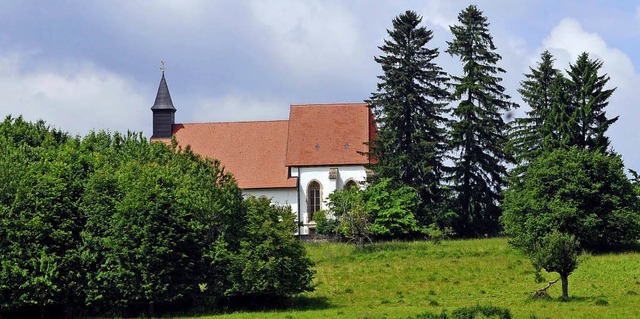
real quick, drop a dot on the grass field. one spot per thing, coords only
(403, 279)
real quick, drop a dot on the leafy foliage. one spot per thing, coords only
(380, 210)
(325, 224)
(391, 208)
(113, 222)
(270, 262)
(354, 222)
(557, 252)
(410, 110)
(578, 192)
(478, 133)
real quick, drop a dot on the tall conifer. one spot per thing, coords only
(588, 100)
(410, 107)
(539, 91)
(478, 133)
(566, 111)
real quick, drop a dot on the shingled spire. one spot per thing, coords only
(163, 110)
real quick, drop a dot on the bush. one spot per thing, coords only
(116, 224)
(485, 311)
(271, 262)
(324, 225)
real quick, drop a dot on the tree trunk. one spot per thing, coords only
(361, 242)
(565, 285)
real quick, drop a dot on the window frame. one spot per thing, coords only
(314, 199)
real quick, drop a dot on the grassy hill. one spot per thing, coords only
(404, 279)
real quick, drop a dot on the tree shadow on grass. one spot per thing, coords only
(310, 303)
(570, 299)
(262, 303)
(247, 304)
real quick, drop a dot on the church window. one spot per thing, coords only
(350, 183)
(313, 199)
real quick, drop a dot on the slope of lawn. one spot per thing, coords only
(403, 279)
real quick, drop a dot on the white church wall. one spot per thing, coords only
(278, 196)
(328, 185)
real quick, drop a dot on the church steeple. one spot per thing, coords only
(163, 110)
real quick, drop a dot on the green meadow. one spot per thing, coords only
(405, 279)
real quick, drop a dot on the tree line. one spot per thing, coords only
(113, 224)
(449, 163)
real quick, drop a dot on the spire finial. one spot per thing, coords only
(162, 68)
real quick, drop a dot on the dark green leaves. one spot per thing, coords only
(113, 222)
(578, 192)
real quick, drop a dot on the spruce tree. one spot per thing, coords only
(540, 90)
(410, 108)
(588, 98)
(478, 133)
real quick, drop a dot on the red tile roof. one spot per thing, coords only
(258, 153)
(254, 152)
(329, 134)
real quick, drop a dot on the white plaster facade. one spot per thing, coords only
(278, 196)
(321, 174)
(298, 200)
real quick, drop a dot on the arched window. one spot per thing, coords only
(350, 183)
(313, 199)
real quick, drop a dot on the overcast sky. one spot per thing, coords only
(83, 65)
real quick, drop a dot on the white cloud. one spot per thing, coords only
(310, 38)
(568, 40)
(76, 97)
(238, 107)
(441, 14)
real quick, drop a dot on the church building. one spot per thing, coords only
(297, 161)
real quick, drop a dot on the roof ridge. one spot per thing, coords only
(231, 122)
(330, 104)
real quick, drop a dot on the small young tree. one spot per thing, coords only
(347, 206)
(557, 252)
(355, 223)
(382, 209)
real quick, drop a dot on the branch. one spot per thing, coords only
(542, 292)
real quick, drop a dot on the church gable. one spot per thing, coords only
(329, 134)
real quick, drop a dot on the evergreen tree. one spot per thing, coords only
(410, 109)
(478, 135)
(588, 98)
(540, 91)
(566, 111)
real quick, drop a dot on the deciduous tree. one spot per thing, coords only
(557, 252)
(578, 192)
